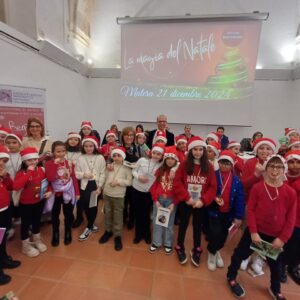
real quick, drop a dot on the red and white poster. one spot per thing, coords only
(17, 104)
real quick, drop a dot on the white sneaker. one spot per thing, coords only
(95, 228)
(37, 242)
(86, 233)
(244, 264)
(212, 261)
(219, 260)
(28, 249)
(257, 264)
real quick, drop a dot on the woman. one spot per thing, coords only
(36, 138)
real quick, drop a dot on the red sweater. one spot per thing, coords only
(30, 183)
(275, 218)
(181, 156)
(238, 166)
(248, 178)
(164, 188)
(56, 171)
(208, 182)
(294, 182)
(106, 150)
(6, 184)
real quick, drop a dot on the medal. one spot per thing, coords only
(219, 200)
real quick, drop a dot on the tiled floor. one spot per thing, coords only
(88, 270)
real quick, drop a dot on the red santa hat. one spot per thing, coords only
(119, 150)
(216, 136)
(74, 135)
(92, 139)
(111, 133)
(87, 124)
(160, 136)
(4, 152)
(233, 144)
(195, 141)
(171, 152)
(16, 136)
(264, 141)
(227, 155)
(280, 157)
(4, 130)
(180, 139)
(29, 153)
(292, 154)
(158, 148)
(216, 147)
(288, 131)
(294, 141)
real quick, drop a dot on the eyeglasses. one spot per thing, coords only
(35, 126)
(273, 167)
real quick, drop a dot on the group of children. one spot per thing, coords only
(193, 178)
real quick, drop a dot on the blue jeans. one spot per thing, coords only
(163, 235)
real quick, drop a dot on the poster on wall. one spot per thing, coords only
(17, 104)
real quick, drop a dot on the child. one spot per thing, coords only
(291, 255)
(227, 208)
(29, 180)
(181, 142)
(195, 185)
(90, 169)
(291, 133)
(235, 147)
(294, 144)
(162, 193)
(213, 137)
(3, 133)
(73, 147)
(143, 178)
(142, 149)
(213, 151)
(60, 174)
(252, 173)
(113, 193)
(14, 144)
(160, 138)
(111, 144)
(6, 184)
(271, 212)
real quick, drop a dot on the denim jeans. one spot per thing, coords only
(163, 235)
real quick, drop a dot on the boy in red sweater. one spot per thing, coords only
(291, 255)
(271, 214)
(6, 184)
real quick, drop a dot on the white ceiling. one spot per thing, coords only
(277, 44)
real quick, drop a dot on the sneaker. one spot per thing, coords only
(257, 265)
(105, 237)
(220, 262)
(236, 289)
(244, 264)
(4, 279)
(118, 243)
(195, 256)
(276, 296)
(9, 263)
(168, 250)
(181, 255)
(77, 222)
(294, 274)
(153, 248)
(28, 249)
(212, 262)
(37, 242)
(95, 228)
(86, 233)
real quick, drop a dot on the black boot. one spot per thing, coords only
(283, 274)
(55, 238)
(68, 236)
(4, 279)
(9, 263)
(118, 243)
(295, 274)
(105, 237)
(79, 217)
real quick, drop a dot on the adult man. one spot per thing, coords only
(187, 131)
(224, 138)
(161, 122)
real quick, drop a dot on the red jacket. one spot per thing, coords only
(238, 166)
(181, 156)
(276, 217)
(208, 182)
(248, 178)
(6, 184)
(164, 188)
(30, 183)
(295, 184)
(56, 171)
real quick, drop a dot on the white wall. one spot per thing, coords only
(271, 109)
(65, 90)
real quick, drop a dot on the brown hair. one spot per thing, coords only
(204, 163)
(57, 144)
(35, 120)
(126, 131)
